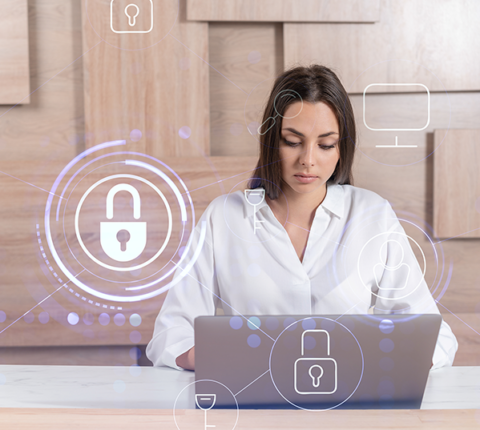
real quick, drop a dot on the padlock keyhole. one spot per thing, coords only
(123, 236)
(316, 372)
(132, 11)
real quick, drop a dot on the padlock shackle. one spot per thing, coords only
(123, 187)
(316, 331)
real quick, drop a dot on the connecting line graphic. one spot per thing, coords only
(458, 235)
(458, 318)
(28, 183)
(223, 301)
(255, 380)
(346, 312)
(207, 63)
(39, 303)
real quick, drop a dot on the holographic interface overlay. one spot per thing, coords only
(150, 205)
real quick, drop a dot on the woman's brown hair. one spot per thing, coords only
(312, 84)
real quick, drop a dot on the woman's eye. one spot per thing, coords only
(327, 147)
(291, 143)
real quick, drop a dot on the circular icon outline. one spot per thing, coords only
(74, 278)
(424, 265)
(320, 318)
(204, 380)
(139, 266)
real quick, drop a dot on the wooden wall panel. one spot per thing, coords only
(456, 207)
(455, 110)
(284, 11)
(51, 126)
(246, 59)
(14, 64)
(430, 41)
(155, 82)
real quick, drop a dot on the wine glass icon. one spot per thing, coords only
(205, 402)
(254, 198)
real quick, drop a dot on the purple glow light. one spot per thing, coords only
(185, 132)
(119, 319)
(386, 345)
(73, 318)
(309, 324)
(135, 353)
(236, 323)
(135, 320)
(135, 135)
(104, 319)
(254, 341)
(135, 337)
(44, 317)
(88, 319)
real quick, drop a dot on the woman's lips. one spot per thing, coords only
(306, 179)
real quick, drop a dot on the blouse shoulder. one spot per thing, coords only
(360, 198)
(216, 207)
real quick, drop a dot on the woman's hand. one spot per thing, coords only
(187, 359)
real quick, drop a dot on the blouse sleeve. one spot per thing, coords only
(192, 296)
(402, 289)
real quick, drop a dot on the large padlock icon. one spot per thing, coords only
(315, 375)
(137, 231)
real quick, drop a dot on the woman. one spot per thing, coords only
(315, 245)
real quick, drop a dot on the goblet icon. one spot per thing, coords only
(205, 402)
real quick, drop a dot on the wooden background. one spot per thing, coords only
(211, 72)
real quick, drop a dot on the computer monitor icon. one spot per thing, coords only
(412, 128)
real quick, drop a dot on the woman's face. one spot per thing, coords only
(309, 149)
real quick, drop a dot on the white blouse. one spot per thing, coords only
(357, 256)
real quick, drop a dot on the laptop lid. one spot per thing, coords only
(315, 362)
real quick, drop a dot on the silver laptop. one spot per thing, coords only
(314, 362)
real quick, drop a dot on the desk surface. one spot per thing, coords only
(158, 388)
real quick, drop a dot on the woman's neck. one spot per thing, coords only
(300, 209)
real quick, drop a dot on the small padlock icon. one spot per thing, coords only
(131, 16)
(137, 231)
(315, 375)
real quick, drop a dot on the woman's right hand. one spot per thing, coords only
(187, 359)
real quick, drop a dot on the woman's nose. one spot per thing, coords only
(307, 156)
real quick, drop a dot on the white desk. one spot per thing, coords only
(157, 388)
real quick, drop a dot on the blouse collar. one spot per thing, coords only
(334, 202)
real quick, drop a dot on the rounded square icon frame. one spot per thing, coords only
(295, 378)
(133, 31)
(397, 129)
